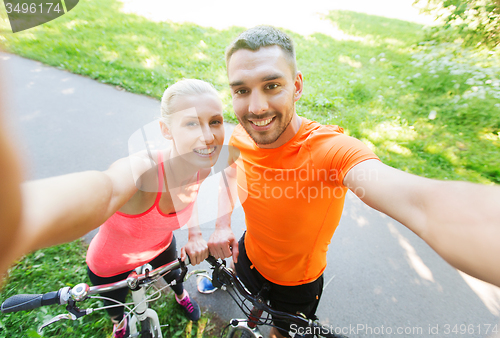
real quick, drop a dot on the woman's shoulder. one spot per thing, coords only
(144, 168)
(147, 159)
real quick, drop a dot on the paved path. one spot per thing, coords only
(379, 274)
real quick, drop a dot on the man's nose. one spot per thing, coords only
(258, 103)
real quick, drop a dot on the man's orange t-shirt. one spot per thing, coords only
(293, 198)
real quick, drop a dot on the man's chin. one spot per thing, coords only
(259, 139)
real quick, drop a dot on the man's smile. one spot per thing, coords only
(262, 124)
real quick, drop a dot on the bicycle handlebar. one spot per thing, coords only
(25, 302)
(29, 302)
(224, 276)
(221, 276)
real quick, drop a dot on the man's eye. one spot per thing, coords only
(240, 91)
(272, 86)
(216, 122)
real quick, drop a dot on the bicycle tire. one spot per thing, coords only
(241, 333)
(148, 330)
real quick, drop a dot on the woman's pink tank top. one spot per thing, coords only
(125, 242)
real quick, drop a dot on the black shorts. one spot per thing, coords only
(292, 299)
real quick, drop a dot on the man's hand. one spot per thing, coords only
(196, 248)
(223, 244)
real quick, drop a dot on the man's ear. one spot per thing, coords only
(299, 86)
(165, 130)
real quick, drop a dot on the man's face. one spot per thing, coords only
(264, 92)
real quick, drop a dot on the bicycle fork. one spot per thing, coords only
(142, 312)
(249, 326)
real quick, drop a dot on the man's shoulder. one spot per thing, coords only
(331, 140)
(316, 132)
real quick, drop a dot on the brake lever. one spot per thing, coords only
(56, 319)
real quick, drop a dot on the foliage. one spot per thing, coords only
(476, 21)
(53, 268)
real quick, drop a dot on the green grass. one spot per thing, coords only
(53, 268)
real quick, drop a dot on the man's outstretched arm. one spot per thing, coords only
(459, 220)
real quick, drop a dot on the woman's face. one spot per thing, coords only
(196, 129)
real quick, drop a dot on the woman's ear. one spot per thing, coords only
(165, 131)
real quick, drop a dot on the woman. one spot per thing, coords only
(158, 192)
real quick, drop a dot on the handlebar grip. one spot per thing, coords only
(212, 260)
(29, 302)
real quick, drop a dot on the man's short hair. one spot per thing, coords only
(263, 36)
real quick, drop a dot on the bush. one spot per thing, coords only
(476, 21)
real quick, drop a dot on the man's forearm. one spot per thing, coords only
(463, 226)
(222, 243)
(226, 200)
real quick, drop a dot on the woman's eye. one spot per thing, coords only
(191, 124)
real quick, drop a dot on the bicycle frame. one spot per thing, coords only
(142, 310)
(222, 277)
(137, 281)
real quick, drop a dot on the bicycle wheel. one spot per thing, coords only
(241, 332)
(148, 330)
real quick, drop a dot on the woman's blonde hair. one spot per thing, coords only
(186, 87)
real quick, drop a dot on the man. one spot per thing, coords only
(292, 175)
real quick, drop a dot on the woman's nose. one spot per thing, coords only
(208, 136)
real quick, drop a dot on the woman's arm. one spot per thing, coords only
(63, 208)
(10, 198)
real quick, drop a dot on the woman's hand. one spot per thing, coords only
(196, 248)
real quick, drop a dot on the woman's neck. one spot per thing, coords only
(178, 171)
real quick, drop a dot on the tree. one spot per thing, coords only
(476, 21)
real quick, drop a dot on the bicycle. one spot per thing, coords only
(138, 281)
(142, 278)
(225, 279)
